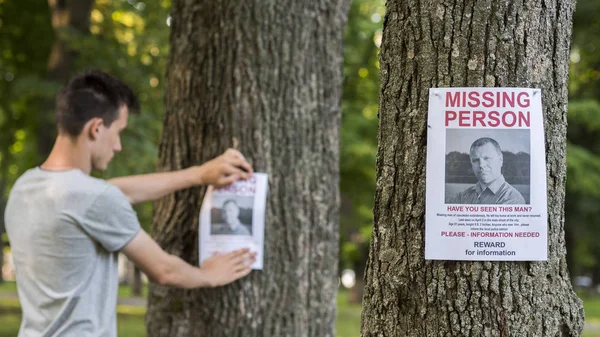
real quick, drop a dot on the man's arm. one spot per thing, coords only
(221, 171)
(166, 269)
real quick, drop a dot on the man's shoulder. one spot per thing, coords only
(242, 230)
(508, 188)
(464, 196)
(467, 191)
(81, 185)
(75, 178)
(219, 229)
(72, 186)
(510, 195)
(470, 189)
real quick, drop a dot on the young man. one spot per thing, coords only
(66, 227)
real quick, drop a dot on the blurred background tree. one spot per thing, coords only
(583, 148)
(359, 135)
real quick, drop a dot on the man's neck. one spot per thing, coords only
(484, 186)
(68, 154)
(235, 224)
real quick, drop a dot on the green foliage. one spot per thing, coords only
(20, 61)
(127, 38)
(583, 148)
(584, 81)
(359, 128)
(581, 175)
(130, 39)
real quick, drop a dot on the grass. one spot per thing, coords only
(8, 287)
(125, 291)
(131, 325)
(130, 319)
(592, 308)
(10, 323)
(348, 317)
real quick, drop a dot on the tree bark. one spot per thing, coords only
(458, 43)
(266, 75)
(66, 15)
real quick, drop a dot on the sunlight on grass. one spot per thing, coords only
(131, 310)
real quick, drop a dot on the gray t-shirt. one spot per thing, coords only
(65, 229)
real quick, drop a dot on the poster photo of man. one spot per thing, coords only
(486, 166)
(231, 215)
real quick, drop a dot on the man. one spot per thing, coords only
(66, 227)
(491, 188)
(232, 225)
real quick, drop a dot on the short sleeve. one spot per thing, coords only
(110, 220)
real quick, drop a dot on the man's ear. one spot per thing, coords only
(92, 127)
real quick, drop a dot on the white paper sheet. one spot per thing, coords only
(505, 218)
(233, 217)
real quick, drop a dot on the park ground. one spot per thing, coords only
(131, 311)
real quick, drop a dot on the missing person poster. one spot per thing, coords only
(486, 175)
(233, 217)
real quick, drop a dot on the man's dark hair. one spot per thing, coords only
(230, 201)
(92, 94)
(485, 140)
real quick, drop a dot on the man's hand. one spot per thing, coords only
(221, 269)
(166, 269)
(223, 170)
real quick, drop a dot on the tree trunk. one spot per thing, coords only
(1, 239)
(357, 292)
(460, 44)
(3, 178)
(134, 279)
(267, 75)
(66, 15)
